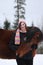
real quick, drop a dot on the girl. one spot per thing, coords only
(22, 35)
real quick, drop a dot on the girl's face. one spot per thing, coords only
(23, 26)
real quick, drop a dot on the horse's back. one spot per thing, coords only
(5, 51)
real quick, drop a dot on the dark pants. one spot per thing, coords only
(21, 61)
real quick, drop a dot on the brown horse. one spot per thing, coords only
(5, 35)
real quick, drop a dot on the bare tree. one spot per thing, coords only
(32, 24)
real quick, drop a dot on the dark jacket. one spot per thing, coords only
(14, 47)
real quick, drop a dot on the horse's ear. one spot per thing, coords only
(28, 28)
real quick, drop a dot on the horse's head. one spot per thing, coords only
(26, 47)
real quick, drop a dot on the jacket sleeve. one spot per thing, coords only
(30, 36)
(12, 44)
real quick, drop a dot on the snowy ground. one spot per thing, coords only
(38, 60)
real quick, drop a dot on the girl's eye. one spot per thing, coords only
(23, 24)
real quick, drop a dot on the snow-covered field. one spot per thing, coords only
(38, 60)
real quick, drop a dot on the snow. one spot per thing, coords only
(38, 60)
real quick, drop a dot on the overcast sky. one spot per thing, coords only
(34, 11)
